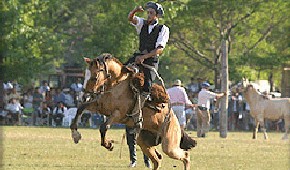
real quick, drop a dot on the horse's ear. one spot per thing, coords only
(87, 60)
(108, 56)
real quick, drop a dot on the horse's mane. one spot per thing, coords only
(110, 57)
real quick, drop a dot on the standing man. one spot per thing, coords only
(179, 100)
(203, 115)
(152, 40)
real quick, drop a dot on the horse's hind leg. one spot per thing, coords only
(287, 127)
(262, 124)
(179, 154)
(151, 152)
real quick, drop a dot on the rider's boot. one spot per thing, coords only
(137, 110)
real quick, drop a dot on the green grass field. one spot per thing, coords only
(52, 148)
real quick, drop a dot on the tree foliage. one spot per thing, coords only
(40, 35)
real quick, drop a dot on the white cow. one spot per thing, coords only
(262, 107)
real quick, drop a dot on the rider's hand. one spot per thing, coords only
(139, 9)
(139, 59)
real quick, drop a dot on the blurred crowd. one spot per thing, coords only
(44, 105)
(48, 106)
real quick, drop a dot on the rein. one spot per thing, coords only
(99, 62)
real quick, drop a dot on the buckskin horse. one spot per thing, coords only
(111, 86)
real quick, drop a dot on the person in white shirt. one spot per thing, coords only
(77, 86)
(203, 115)
(69, 97)
(179, 100)
(14, 110)
(44, 88)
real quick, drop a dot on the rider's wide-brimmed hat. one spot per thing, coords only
(177, 82)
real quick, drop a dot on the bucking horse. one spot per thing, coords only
(111, 91)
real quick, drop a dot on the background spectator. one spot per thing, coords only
(49, 98)
(28, 99)
(178, 100)
(44, 88)
(37, 99)
(69, 97)
(58, 97)
(14, 111)
(45, 114)
(77, 86)
(203, 116)
(58, 113)
(14, 95)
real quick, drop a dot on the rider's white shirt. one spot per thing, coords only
(163, 34)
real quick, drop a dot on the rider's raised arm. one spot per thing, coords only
(131, 15)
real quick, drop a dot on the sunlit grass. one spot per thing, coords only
(52, 148)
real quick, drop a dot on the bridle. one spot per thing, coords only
(102, 66)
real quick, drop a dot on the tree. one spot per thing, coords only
(201, 25)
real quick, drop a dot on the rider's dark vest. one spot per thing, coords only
(148, 41)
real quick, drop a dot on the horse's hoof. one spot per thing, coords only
(111, 147)
(76, 136)
(76, 141)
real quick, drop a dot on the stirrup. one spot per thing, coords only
(138, 125)
(147, 96)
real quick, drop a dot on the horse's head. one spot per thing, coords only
(104, 69)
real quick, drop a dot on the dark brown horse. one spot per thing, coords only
(113, 86)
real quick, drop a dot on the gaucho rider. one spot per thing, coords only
(152, 40)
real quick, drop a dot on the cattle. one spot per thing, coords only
(264, 108)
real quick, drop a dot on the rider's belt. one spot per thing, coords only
(177, 104)
(202, 108)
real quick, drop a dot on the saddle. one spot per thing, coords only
(158, 95)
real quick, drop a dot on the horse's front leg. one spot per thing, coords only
(150, 151)
(74, 125)
(255, 130)
(108, 144)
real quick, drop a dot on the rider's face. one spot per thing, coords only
(151, 14)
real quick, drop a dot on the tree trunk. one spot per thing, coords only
(271, 82)
(224, 88)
